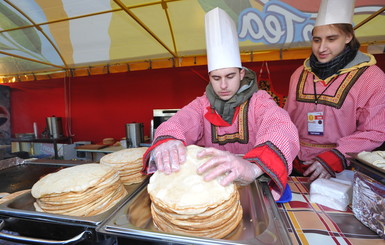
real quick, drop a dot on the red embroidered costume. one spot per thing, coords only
(260, 130)
(353, 107)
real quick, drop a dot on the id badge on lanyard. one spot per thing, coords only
(316, 119)
(315, 123)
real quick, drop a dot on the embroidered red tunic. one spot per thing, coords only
(261, 131)
(354, 111)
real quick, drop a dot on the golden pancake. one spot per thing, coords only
(83, 190)
(182, 202)
(128, 163)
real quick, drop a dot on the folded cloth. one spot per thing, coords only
(331, 193)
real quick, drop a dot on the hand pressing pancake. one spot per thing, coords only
(232, 167)
(183, 202)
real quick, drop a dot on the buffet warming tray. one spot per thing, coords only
(261, 223)
(18, 215)
(22, 207)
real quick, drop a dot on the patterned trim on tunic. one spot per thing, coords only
(341, 157)
(326, 166)
(163, 138)
(338, 158)
(340, 95)
(270, 169)
(276, 150)
(327, 146)
(242, 136)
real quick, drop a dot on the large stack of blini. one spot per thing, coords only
(82, 190)
(182, 202)
(128, 162)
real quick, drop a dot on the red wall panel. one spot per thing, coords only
(33, 102)
(97, 107)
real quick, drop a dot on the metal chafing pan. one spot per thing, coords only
(261, 222)
(367, 168)
(18, 215)
(19, 174)
(22, 207)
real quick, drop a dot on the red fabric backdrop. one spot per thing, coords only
(98, 107)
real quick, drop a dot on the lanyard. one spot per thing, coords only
(315, 90)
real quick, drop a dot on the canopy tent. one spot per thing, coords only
(42, 39)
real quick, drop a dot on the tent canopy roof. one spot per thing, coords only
(46, 37)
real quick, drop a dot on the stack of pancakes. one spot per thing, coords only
(184, 203)
(82, 190)
(128, 163)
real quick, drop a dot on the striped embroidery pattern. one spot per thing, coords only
(341, 157)
(242, 136)
(340, 95)
(275, 149)
(327, 146)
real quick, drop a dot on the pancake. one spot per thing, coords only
(77, 179)
(82, 190)
(128, 163)
(184, 203)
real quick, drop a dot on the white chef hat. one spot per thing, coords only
(335, 12)
(221, 41)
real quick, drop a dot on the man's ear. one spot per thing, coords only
(242, 72)
(348, 39)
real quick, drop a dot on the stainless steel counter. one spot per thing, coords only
(131, 219)
(261, 223)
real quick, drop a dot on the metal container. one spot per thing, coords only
(19, 222)
(134, 134)
(367, 168)
(160, 116)
(368, 194)
(55, 127)
(261, 222)
(368, 203)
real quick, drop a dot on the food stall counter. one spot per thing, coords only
(312, 223)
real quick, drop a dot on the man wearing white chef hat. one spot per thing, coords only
(232, 119)
(337, 98)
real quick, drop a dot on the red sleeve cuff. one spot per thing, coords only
(333, 161)
(271, 160)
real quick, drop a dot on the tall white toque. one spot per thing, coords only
(335, 12)
(221, 41)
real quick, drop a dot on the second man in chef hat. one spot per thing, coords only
(337, 97)
(242, 127)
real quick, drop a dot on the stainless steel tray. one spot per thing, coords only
(367, 168)
(22, 174)
(261, 223)
(22, 207)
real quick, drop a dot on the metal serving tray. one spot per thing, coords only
(22, 207)
(367, 168)
(23, 176)
(261, 222)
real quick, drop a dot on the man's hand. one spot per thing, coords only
(169, 155)
(316, 170)
(234, 168)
